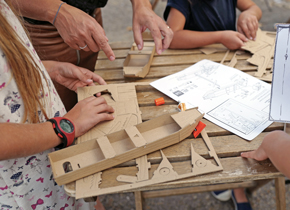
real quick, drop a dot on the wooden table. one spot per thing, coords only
(238, 172)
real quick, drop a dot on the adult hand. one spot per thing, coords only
(143, 18)
(72, 76)
(232, 40)
(81, 31)
(248, 25)
(89, 112)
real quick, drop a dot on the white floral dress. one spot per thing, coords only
(27, 183)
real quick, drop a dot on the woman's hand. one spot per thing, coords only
(71, 76)
(89, 112)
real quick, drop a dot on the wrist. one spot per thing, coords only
(136, 4)
(64, 129)
(52, 10)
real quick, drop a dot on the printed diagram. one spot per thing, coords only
(279, 108)
(232, 88)
(232, 114)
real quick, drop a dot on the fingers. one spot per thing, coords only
(167, 33)
(242, 37)
(138, 36)
(102, 42)
(248, 154)
(249, 28)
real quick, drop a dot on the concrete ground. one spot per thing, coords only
(117, 17)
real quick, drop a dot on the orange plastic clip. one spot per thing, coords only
(159, 101)
(200, 126)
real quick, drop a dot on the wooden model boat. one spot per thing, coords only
(113, 149)
(137, 62)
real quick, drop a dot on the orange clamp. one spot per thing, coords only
(200, 126)
(159, 101)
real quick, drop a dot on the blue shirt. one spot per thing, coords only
(206, 15)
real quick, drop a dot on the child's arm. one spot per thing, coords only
(248, 20)
(183, 39)
(276, 147)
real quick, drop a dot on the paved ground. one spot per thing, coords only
(117, 17)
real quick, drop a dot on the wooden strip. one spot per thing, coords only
(135, 136)
(138, 200)
(280, 193)
(106, 147)
(188, 190)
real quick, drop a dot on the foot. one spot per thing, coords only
(240, 199)
(222, 195)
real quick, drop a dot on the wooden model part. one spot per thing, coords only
(263, 51)
(147, 37)
(113, 149)
(123, 98)
(137, 62)
(164, 172)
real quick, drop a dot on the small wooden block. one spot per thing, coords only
(106, 147)
(135, 136)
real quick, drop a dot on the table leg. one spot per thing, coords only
(138, 200)
(280, 193)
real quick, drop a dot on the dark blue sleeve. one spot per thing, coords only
(181, 5)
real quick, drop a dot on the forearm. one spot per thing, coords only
(140, 3)
(44, 10)
(21, 140)
(50, 67)
(256, 11)
(185, 39)
(277, 146)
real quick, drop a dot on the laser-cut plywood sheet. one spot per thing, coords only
(123, 98)
(96, 155)
(113, 180)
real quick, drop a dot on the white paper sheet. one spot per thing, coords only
(229, 97)
(280, 96)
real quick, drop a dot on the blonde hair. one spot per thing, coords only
(24, 69)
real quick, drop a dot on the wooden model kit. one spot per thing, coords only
(105, 152)
(137, 62)
(106, 182)
(263, 52)
(122, 97)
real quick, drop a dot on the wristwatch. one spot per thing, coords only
(64, 129)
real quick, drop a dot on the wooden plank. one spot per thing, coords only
(198, 189)
(280, 193)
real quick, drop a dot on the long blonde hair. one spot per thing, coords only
(24, 69)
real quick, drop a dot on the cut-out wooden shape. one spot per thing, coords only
(123, 98)
(88, 157)
(137, 62)
(163, 172)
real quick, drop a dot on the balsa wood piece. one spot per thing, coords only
(137, 63)
(159, 132)
(263, 51)
(135, 136)
(123, 98)
(143, 165)
(226, 55)
(106, 147)
(233, 61)
(164, 172)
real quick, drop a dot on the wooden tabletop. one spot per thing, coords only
(227, 145)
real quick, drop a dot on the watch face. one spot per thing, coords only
(66, 126)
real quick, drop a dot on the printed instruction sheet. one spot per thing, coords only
(229, 97)
(280, 95)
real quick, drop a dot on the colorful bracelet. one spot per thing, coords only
(57, 12)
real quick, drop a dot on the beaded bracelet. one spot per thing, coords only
(57, 12)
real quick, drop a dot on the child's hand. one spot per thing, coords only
(258, 154)
(89, 112)
(248, 25)
(233, 40)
